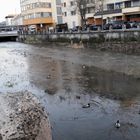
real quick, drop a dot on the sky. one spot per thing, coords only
(9, 7)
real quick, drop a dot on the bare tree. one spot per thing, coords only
(82, 8)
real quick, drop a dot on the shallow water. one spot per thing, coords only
(65, 79)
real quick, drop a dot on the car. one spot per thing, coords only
(107, 26)
(95, 27)
(62, 27)
(134, 24)
(32, 28)
(120, 24)
(76, 29)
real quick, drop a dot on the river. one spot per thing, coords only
(65, 79)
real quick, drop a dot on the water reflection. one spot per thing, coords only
(53, 76)
(68, 85)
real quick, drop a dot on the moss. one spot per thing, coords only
(85, 40)
(75, 40)
(61, 39)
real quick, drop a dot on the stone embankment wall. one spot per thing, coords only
(127, 41)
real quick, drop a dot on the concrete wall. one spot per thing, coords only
(118, 41)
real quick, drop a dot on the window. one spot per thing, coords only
(58, 2)
(59, 10)
(90, 10)
(136, 3)
(73, 13)
(65, 14)
(127, 4)
(118, 5)
(110, 6)
(64, 4)
(71, 3)
(59, 19)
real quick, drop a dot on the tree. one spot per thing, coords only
(82, 8)
(83, 5)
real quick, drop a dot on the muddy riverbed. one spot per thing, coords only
(64, 79)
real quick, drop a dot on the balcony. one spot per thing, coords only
(48, 20)
(108, 13)
(90, 5)
(131, 10)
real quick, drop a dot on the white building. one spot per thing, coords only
(70, 14)
(9, 19)
(17, 20)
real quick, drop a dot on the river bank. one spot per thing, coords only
(23, 118)
(126, 42)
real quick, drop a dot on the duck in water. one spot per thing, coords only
(86, 106)
(117, 124)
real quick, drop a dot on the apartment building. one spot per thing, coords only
(58, 14)
(38, 13)
(110, 10)
(70, 13)
(91, 7)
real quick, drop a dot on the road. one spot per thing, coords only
(64, 79)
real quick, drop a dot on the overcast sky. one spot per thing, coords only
(9, 7)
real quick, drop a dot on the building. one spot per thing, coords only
(37, 12)
(90, 10)
(8, 19)
(70, 14)
(58, 14)
(17, 20)
(111, 10)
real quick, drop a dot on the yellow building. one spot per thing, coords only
(37, 13)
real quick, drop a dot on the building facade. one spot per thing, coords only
(17, 20)
(110, 10)
(70, 14)
(91, 7)
(38, 13)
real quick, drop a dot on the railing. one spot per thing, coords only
(78, 32)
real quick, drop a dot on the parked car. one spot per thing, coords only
(134, 24)
(61, 27)
(107, 26)
(95, 27)
(117, 25)
(76, 28)
(32, 28)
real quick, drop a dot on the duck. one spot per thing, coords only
(117, 124)
(86, 106)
